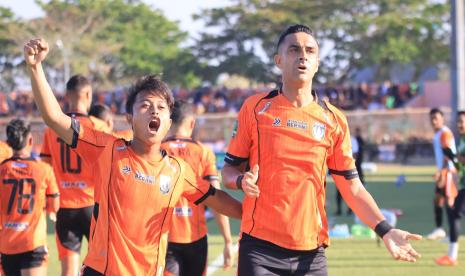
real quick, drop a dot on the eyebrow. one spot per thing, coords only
(311, 46)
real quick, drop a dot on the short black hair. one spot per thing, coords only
(435, 111)
(297, 28)
(100, 111)
(149, 83)
(180, 111)
(17, 132)
(76, 83)
(460, 113)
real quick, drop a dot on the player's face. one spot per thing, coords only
(150, 118)
(461, 124)
(437, 121)
(298, 57)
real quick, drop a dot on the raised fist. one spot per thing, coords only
(35, 51)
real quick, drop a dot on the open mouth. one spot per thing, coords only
(302, 67)
(154, 124)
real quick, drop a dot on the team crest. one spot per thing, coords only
(318, 131)
(165, 184)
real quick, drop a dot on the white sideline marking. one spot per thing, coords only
(219, 261)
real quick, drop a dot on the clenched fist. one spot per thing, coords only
(35, 51)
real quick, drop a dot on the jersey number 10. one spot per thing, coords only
(65, 157)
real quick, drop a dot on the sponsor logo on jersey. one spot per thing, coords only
(276, 122)
(16, 226)
(126, 169)
(19, 165)
(144, 178)
(71, 184)
(183, 211)
(177, 145)
(296, 124)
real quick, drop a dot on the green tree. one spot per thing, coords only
(359, 32)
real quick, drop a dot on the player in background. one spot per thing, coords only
(103, 112)
(5, 151)
(187, 246)
(74, 177)
(137, 184)
(444, 189)
(27, 187)
(458, 209)
(290, 138)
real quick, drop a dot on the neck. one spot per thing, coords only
(182, 132)
(23, 153)
(145, 151)
(78, 108)
(299, 95)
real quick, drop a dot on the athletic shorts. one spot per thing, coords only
(260, 257)
(72, 224)
(459, 204)
(187, 259)
(13, 263)
(89, 271)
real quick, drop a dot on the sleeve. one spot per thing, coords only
(195, 191)
(209, 165)
(89, 143)
(447, 140)
(341, 161)
(50, 181)
(239, 147)
(45, 151)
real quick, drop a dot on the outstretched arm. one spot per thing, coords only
(364, 206)
(225, 204)
(35, 52)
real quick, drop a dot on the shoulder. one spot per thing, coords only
(253, 100)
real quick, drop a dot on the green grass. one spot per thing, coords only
(363, 256)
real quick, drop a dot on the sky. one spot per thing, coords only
(178, 10)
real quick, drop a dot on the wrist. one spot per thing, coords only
(382, 228)
(239, 182)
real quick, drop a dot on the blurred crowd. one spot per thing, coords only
(214, 100)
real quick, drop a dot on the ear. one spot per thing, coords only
(317, 64)
(277, 60)
(30, 141)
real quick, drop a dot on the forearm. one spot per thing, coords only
(53, 204)
(229, 175)
(224, 204)
(48, 105)
(223, 223)
(359, 200)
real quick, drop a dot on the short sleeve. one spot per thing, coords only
(89, 143)
(239, 147)
(195, 191)
(209, 165)
(50, 181)
(341, 161)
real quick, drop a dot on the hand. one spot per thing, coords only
(397, 243)
(249, 182)
(35, 51)
(228, 255)
(52, 216)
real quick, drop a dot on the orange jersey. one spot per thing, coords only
(293, 148)
(5, 151)
(124, 134)
(74, 176)
(189, 224)
(135, 199)
(25, 185)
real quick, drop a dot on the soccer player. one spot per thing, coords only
(28, 187)
(5, 151)
(444, 189)
(458, 209)
(187, 247)
(137, 184)
(289, 137)
(103, 112)
(74, 176)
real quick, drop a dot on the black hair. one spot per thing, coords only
(76, 83)
(460, 113)
(100, 111)
(17, 132)
(297, 28)
(435, 111)
(149, 83)
(181, 110)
